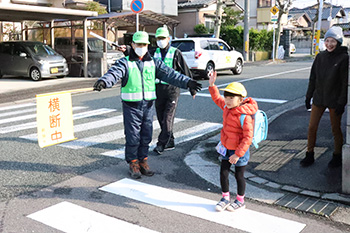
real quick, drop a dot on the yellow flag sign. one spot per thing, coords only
(54, 118)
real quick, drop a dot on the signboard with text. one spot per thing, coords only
(54, 118)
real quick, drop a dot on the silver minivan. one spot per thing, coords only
(31, 58)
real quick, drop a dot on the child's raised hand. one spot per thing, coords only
(212, 78)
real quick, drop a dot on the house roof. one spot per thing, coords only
(326, 12)
(128, 19)
(194, 3)
(21, 12)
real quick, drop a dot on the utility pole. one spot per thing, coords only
(318, 35)
(218, 18)
(246, 31)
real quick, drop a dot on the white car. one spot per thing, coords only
(204, 55)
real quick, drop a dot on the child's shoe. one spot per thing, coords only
(236, 205)
(222, 205)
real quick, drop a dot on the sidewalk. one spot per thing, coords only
(274, 175)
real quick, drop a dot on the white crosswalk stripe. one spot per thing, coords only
(69, 217)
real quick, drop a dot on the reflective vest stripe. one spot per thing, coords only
(168, 59)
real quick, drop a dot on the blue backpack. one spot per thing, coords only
(260, 126)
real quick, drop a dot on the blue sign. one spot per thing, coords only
(136, 6)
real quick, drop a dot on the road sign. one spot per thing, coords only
(274, 10)
(137, 6)
(274, 18)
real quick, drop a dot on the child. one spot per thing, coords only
(235, 138)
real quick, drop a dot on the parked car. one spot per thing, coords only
(204, 55)
(74, 55)
(31, 58)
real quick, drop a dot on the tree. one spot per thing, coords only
(231, 17)
(95, 6)
(200, 29)
(283, 6)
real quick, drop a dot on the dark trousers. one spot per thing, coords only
(239, 175)
(166, 103)
(138, 118)
(316, 114)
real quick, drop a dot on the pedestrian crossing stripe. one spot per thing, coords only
(180, 137)
(30, 125)
(68, 217)
(102, 138)
(244, 219)
(29, 116)
(6, 108)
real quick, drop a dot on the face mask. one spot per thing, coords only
(162, 43)
(141, 51)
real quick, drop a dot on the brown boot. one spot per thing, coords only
(134, 169)
(144, 168)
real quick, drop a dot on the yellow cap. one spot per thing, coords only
(236, 88)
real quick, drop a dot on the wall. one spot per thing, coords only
(188, 21)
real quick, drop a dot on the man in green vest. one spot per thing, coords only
(167, 95)
(137, 73)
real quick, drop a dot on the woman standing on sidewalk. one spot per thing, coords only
(328, 85)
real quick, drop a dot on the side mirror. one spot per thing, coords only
(23, 55)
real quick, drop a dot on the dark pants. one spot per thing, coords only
(138, 118)
(166, 103)
(316, 114)
(239, 175)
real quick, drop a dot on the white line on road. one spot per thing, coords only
(245, 219)
(274, 101)
(68, 217)
(29, 116)
(182, 136)
(32, 124)
(103, 138)
(17, 106)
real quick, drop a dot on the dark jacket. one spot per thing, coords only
(179, 63)
(328, 83)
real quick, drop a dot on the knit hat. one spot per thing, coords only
(336, 33)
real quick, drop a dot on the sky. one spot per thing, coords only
(306, 3)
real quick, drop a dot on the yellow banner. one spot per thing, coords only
(54, 118)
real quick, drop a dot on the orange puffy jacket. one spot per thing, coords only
(233, 137)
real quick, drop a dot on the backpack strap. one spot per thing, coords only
(242, 118)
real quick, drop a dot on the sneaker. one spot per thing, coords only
(144, 168)
(222, 205)
(236, 205)
(134, 169)
(159, 149)
(170, 146)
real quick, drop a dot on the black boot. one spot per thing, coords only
(335, 161)
(308, 160)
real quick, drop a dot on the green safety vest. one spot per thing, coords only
(168, 59)
(139, 86)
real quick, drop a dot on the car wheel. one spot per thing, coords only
(210, 68)
(35, 74)
(238, 68)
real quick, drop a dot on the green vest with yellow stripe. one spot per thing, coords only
(139, 86)
(168, 59)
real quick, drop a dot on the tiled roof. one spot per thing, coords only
(195, 3)
(312, 12)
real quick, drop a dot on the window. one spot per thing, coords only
(214, 46)
(223, 46)
(204, 44)
(183, 46)
(264, 3)
(7, 48)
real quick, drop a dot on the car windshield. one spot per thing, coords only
(184, 46)
(41, 50)
(97, 45)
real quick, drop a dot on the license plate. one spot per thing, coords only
(54, 70)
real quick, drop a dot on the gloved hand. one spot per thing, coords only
(339, 109)
(193, 85)
(193, 92)
(307, 103)
(99, 85)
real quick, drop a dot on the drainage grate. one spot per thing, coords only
(308, 204)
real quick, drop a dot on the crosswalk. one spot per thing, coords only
(99, 126)
(92, 127)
